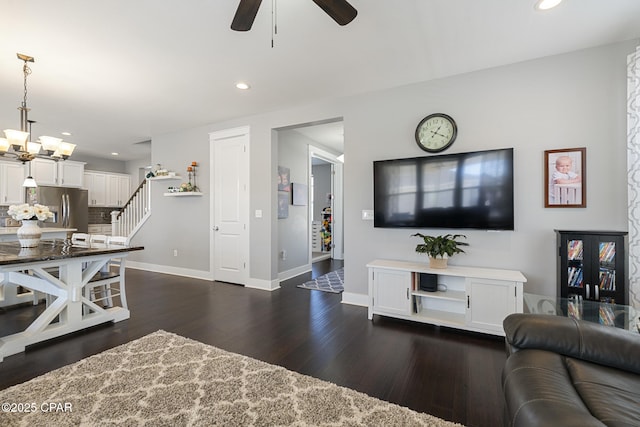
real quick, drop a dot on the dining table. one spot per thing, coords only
(60, 270)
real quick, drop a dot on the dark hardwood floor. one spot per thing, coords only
(450, 374)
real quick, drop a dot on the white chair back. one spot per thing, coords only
(116, 241)
(99, 239)
(80, 238)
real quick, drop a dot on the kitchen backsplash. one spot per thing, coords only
(100, 215)
(96, 215)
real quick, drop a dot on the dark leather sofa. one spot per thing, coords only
(566, 372)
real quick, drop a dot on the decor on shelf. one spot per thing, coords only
(18, 143)
(439, 246)
(191, 172)
(29, 233)
(564, 178)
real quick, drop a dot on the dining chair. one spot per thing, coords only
(109, 282)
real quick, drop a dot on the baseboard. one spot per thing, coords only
(355, 299)
(176, 271)
(286, 275)
(265, 285)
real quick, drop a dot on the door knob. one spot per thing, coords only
(216, 228)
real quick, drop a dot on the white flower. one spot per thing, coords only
(25, 211)
(42, 212)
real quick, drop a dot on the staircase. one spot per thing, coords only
(130, 218)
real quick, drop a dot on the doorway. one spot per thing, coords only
(299, 227)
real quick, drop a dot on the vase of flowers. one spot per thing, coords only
(29, 233)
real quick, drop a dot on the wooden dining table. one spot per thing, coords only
(60, 270)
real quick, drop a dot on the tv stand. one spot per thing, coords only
(476, 299)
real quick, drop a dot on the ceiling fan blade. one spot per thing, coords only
(245, 15)
(340, 10)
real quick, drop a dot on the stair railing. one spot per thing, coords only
(129, 219)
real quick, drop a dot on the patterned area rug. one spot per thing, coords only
(164, 379)
(330, 282)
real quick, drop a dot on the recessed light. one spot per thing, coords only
(66, 133)
(114, 154)
(243, 86)
(546, 4)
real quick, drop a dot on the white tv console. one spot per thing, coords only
(476, 299)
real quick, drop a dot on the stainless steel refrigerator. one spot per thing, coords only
(69, 206)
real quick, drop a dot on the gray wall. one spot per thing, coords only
(293, 231)
(572, 100)
(101, 164)
(321, 187)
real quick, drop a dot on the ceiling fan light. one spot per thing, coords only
(33, 147)
(50, 143)
(546, 4)
(16, 138)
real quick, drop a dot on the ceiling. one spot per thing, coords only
(115, 73)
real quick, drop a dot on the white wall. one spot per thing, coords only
(572, 100)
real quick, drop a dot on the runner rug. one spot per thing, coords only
(164, 379)
(330, 282)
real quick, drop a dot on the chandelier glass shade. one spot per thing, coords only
(17, 143)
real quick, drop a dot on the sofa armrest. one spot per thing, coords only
(579, 339)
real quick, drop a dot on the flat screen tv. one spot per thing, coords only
(462, 190)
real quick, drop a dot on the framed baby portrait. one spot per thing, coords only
(565, 178)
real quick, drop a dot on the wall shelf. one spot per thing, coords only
(183, 194)
(163, 177)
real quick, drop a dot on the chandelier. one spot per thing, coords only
(18, 143)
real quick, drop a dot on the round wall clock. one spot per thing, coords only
(436, 132)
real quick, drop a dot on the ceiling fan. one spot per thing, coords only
(339, 10)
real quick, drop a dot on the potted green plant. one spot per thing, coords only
(439, 246)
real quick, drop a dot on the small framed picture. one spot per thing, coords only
(300, 194)
(283, 205)
(565, 178)
(284, 183)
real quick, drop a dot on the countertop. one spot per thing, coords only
(11, 253)
(45, 230)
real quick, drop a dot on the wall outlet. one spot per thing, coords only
(175, 252)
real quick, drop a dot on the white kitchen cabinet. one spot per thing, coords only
(70, 174)
(107, 189)
(96, 185)
(63, 173)
(473, 299)
(11, 179)
(44, 171)
(118, 189)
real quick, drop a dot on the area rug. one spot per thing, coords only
(330, 282)
(164, 379)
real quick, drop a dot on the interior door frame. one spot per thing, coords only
(213, 137)
(337, 202)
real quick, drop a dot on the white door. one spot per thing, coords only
(230, 222)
